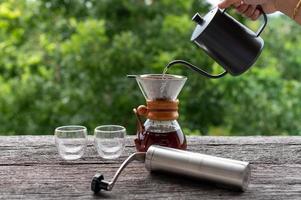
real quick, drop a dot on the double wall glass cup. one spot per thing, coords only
(71, 141)
(109, 140)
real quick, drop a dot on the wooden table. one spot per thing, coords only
(30, 168)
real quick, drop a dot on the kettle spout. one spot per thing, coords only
(195, 68)
(198, 19)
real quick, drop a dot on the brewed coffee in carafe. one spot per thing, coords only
(161, 111)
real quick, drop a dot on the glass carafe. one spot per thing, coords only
(164, 133)
(161, 112)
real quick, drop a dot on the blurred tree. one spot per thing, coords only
(65, 62)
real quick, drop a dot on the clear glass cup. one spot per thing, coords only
(109, 140)
(71, 141)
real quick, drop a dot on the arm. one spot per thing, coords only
(248, 7)
(287, 7)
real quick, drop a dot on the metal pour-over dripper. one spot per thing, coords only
(160, 87)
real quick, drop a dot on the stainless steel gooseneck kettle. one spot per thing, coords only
(231, 44)
(158, 158)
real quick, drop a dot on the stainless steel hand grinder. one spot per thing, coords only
(157, 158)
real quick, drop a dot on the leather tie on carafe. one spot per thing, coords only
(140, 127)
(159, 110)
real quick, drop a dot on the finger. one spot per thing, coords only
(227, 3)
(254, 2)
(242, 8)
(255, 15)
(237, 4)
(250, 11)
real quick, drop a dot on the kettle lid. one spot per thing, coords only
(202, 22)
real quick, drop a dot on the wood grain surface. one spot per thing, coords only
(30, 168)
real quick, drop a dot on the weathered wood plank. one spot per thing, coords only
(30, 168)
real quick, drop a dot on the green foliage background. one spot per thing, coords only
(65, 62)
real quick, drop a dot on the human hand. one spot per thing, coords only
(249, 7)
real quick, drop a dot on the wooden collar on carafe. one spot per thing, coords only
(161, 110)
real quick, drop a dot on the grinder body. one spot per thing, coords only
(231, 172)
(158, 158)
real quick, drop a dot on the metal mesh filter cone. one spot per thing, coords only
(159, 87)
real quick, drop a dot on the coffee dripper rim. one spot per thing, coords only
(172, 77)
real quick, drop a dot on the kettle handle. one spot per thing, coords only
(195, 68)
(265, 19)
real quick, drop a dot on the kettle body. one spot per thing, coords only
(231, 44)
